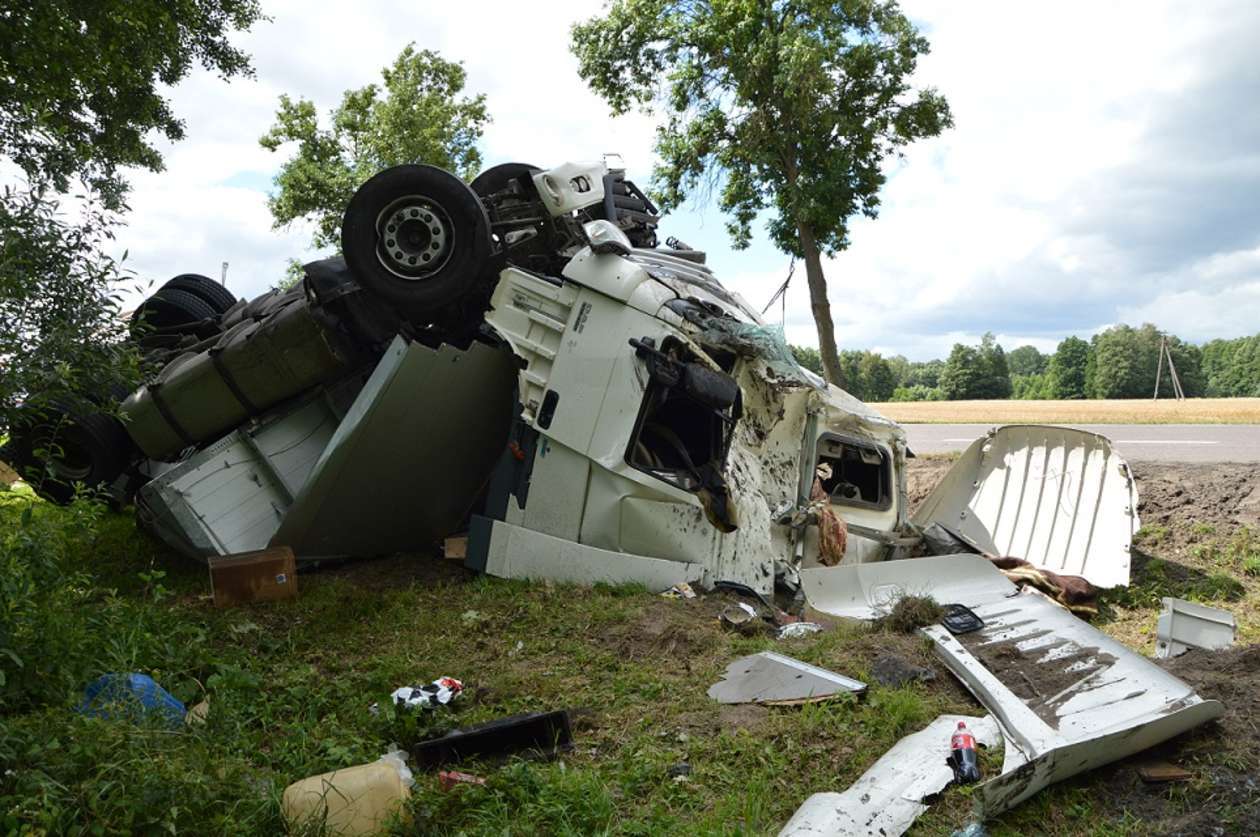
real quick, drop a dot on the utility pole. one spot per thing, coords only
(223, 275)
(1165, 352)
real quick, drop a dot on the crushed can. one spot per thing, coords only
(962, 757)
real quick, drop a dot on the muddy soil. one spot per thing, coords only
(1224, 496)
(922, 475)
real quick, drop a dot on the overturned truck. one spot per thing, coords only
(520, 359)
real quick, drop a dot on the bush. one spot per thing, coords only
(918, 392)
(60, 628)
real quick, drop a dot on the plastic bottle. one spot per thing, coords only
(963, 755)
(356, 800)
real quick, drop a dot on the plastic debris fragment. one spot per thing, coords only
(438, 693)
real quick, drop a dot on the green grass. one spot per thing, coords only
(289, 686)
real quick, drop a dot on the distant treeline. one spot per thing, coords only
(1117, 363)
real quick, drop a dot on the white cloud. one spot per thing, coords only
(1102, 167)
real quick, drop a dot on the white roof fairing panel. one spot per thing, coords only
(1059, 498)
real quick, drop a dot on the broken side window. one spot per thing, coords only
(685, 423)
(855, 472)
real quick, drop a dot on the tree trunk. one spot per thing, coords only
(821, 307)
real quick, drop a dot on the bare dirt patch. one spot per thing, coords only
(1231, 676)
(1181, 497)
(748, 717)
(389, 573)
(672, 631)
(922, 475)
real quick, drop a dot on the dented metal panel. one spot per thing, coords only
(889, 796)
(410, 457)
(1059, 498)
(232, 496)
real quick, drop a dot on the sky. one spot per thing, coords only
(1104, 166)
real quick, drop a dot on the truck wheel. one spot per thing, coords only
(93, 449)
(416, 236)
(204, 288)
(171, 307)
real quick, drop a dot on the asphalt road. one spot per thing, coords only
(1136, 442)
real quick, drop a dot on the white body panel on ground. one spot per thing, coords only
(889, 797)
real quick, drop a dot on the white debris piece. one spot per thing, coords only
(889, 796)
(773, 678)
(796, 630)
(1184, 625)
(438, 693)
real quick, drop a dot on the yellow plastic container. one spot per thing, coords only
(356, 800)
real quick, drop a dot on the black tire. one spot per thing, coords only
(171, 307)
(204, 288)
(498, 177)
(418, 237)
(93, 450)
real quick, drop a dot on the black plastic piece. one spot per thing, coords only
(478, 554)
(959, 619)
(548, 409)
(546, 733)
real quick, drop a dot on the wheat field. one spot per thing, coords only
(1135, 411)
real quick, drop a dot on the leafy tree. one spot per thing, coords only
(1231, 368)
(1031, 387)
(1123, 369)
(83, 84)
(851, 373)
(900, 367)
(790, 106)
(878, 380)
(926, 374)
(417, 115)
(61, 331)
(994, 375)
(83, 96)
(1187, 358)
(960, 380)
(1026, 360)
(1067, 370)
(808, 357)
(918, 392)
